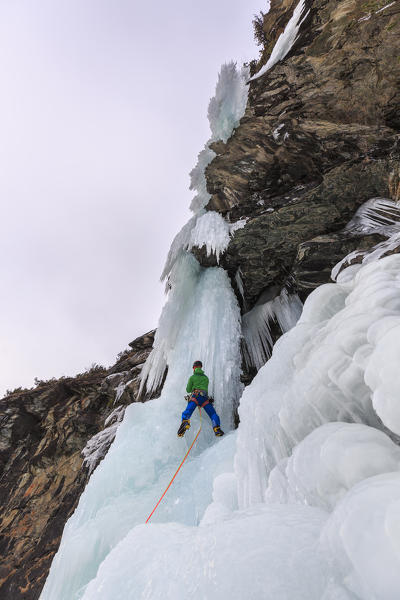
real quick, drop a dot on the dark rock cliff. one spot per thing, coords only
(320, 136)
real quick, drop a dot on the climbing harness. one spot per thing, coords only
(194, 398)
(178, 469)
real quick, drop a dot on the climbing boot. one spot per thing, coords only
(218, 431)
(183, 427)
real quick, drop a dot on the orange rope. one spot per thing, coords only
(176, 472)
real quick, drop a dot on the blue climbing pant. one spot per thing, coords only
(210, 410)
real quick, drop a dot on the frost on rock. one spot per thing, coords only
(285, 309)
(98, 445)
(277, 132)
(285, 40)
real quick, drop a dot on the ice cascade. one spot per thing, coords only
(201, 318)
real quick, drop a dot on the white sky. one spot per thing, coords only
(102, 113)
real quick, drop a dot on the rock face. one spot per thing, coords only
(320, 136)
(43, 432)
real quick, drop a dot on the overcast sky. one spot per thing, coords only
(103, 110)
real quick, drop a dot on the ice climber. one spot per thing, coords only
(197, 387)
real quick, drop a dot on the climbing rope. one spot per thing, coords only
(178, 469)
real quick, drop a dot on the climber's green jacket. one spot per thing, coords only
(197, 381)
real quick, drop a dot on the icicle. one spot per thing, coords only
(378, 215)
(285, 309)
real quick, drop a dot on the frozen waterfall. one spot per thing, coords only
(301, 502)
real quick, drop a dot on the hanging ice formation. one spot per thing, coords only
(210, 229)
(285, 309)
(286, 39)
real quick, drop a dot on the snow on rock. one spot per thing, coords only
(285, 309)
(329, 462)
(246, 556)
(336, 364)
(361, 539)
(285, 40)
(385, 7)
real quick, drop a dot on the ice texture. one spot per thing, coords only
(213, 232)
(244, 556)
(324, 370)
(329, 462)
(227, 107)
(285, 309)
(98, 445)
(286, 40)
(200, 320)
(362, 538)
